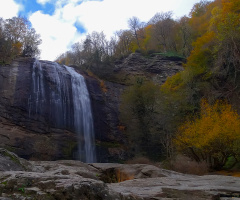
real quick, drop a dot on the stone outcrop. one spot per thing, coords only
(11, 162)
(52, 180)
(155, 67)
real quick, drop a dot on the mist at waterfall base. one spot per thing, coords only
(63, 93)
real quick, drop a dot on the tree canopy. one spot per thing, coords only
(18, 38)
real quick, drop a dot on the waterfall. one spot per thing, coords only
(83, 120)
(37, 97)
(59, 96)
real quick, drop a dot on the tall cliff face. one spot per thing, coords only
(43, 115)
(37, 124)
(110, 141)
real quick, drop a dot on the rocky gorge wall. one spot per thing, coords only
(37, 112)
(42, 135)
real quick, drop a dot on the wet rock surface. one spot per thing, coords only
(110, 140)
(75, 180)
(37, 132)
(29, 134)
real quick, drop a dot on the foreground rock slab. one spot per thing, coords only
(74, 180)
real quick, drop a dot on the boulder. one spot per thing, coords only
(11, 162)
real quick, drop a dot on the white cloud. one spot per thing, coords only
(56, 35)
(43, 2)
(9, 9)
(58, 31)
(112, 15)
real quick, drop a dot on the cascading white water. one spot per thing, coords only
(60, 96)
(37, 98)
(83, 120)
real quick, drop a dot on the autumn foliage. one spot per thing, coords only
(17, 38)
(214, 136)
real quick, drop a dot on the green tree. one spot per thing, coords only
(138, 108)
(19, 30)
(163, 31)
(135, 26)
(125, 43)
(18, 38)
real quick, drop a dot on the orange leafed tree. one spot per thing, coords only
(213, 137)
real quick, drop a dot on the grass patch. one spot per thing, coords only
(4, 183)
(108, 144)
(170, 55)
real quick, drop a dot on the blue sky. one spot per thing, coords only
(31, 6)
(61, 23)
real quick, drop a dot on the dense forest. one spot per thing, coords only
(196, 111)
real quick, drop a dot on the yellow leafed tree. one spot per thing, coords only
(213, 137)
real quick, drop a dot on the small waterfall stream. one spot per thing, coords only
(62, 92)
